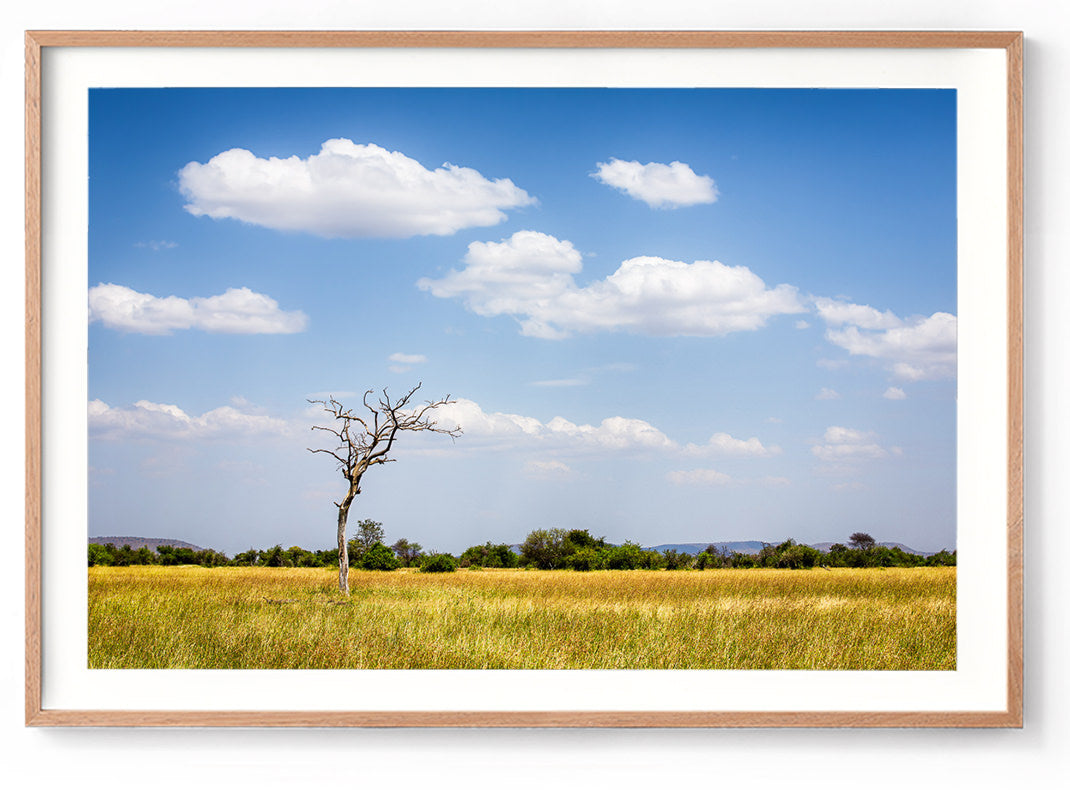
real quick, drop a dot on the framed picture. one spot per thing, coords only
(699, 354)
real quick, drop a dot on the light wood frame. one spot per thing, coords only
(1010, 42)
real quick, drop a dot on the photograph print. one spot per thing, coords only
(522, 378)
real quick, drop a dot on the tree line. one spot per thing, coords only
(366, 550)
(542, 549)
(578, 550)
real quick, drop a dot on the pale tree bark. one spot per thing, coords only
(343, 547)
(364, 441)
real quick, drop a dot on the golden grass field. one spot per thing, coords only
(294, 618)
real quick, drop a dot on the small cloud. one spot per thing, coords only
(658, 185)
(404, 362)
(407, 359)
(725, 444)
(547, 470)
(827, 394)
(837, 435)
(894, 393)
(800, 324)
(698, 477)
(775, 420)
(156, 246)
(836, 312)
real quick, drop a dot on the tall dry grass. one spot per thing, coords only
(294, 618)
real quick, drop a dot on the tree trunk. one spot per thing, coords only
(343, 548)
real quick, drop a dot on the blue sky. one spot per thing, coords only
(666, 315)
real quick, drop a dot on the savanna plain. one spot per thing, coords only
(150, 617)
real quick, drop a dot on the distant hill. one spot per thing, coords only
(742, 546)
(152, 543)
(888, 544)
(754, 546)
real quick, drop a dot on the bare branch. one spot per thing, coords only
(369, 444)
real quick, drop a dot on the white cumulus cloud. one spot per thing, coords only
(827, 394)
(921, 347)
(658, 185)
(347, 190)
(895, 393)
(530, 276)
(836, 312)
(235, 311)
(146, 419)
(726, 444)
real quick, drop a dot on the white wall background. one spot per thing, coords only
(1033, 757)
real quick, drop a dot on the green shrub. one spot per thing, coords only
(379, 558)
(587, 559)
(438, 563)
(99, 555)
(627, 557)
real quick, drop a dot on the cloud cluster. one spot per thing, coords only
(235, 311)
(613, 433)
(847, 445)
(656, 184)
(347, 190)
(922, 347)
(616, 434)
(146, 419)
(530, 276)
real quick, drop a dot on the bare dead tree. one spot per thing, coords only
(366, 440)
